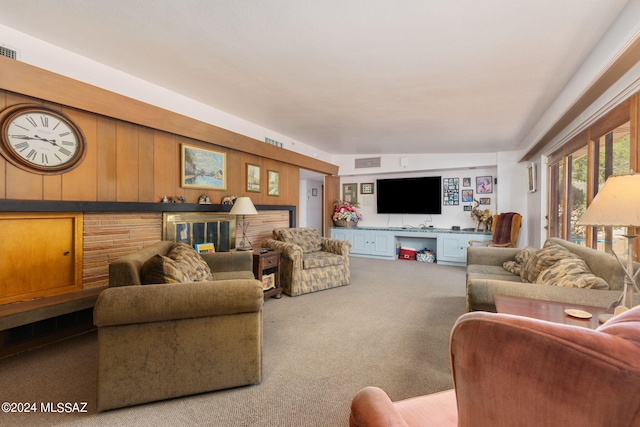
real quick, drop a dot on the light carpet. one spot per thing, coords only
(389, 328)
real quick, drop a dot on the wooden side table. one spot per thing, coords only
(267, 263)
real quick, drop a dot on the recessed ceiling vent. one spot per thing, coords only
(9, 53)
(371, 162)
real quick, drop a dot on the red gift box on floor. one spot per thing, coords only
(408, 254)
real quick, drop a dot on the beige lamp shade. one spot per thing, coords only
(243, 206)
(616, 204)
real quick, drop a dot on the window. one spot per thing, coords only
(579, 169)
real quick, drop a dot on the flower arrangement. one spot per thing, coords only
(345, 213)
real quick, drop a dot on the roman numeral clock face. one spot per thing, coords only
(40, 140)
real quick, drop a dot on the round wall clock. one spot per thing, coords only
(40, 139)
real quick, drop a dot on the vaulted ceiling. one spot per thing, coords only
(348, 76)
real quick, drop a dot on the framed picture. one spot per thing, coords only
(450, 187)
(531, 177)
(366, 188)
(253, 178)
(484, 184)
(202, 168)
(273, 183)
(314, 192)
(485, 200)
(467, 196)
(466, 182)
(350, 193)
(468, 208)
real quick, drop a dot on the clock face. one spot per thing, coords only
(42, 140)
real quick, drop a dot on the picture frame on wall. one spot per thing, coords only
(350, 193)
(531, 178)
(466, 182)
(467, 196)
(203, 168)
(485, 200)
(273, 183)
(253, 178)
(468, 208)
(484, 184)
(366, 188)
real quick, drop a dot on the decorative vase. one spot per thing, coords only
(342, 223)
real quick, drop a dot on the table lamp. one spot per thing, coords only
(617, 204)
(244, 206)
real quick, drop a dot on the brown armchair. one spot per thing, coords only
(164, 340)
(516, 371)
(505, 230)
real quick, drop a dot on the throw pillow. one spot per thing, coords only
(542, 259)
(161, 269)
(515, 266)
(571, 272)
(190, 262)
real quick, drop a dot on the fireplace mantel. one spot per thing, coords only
(72, 206)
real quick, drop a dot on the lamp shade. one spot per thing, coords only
(616, 204)
(243, 206)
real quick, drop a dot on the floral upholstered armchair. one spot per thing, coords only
(310, 262)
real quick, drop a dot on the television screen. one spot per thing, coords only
(422, 195)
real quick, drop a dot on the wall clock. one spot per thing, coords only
(40, 139)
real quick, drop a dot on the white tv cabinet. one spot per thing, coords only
(450, 246)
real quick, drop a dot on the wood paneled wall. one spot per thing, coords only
(132, 163)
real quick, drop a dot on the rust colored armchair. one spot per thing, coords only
(516, 371)
(505, 230)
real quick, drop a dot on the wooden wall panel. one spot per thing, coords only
(126, 162)
(145, 165)
(165, 178)
(80, 184)
(106, 168)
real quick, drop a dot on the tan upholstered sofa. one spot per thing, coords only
(310, 262)
(487, 275)
(167, 340)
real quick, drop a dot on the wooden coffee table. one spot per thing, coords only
(548, 310)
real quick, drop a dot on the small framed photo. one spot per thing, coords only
(273, 183)
(531, 178)
(468, 208)
(466, 182)
(484, 184)
(467, 196)
(366, 188)
(202, 168)
(253, 178)
(485, 200)
(350, 193)
(314, 192)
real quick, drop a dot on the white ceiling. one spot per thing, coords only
(345, 76)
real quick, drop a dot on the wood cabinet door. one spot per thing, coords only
(41, 255)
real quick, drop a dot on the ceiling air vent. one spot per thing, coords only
(371, 162)
(9, 53)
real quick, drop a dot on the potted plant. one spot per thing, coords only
(345, 214)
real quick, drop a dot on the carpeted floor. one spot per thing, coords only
(389, 328)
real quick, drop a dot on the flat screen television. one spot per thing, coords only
(422, 195)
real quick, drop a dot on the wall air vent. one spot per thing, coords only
(9, 53)
(273, 142)
(371, 162)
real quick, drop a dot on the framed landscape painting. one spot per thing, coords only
(253, 178)
(273, 183)
(202, 168)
